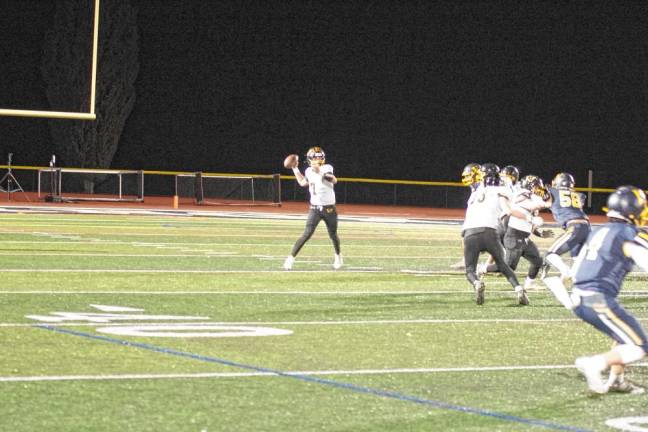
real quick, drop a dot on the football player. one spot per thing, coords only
(320, 180)
(566, 205)
(470, 177)
(608, 255)
(479, 230)
(524, 220)
(509, 176)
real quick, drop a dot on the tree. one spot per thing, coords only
(66, 70)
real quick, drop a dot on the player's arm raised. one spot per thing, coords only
(300, 177)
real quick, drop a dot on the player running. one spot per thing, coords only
(566, 205)
(604, 261)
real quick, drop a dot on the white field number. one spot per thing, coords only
(630, 424)
(112, 314)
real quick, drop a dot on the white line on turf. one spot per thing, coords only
(305, 293)
(60, 270)
(103, 377)
(287, 292)
(335, 323)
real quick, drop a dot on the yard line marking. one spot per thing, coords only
(195, 375)
(60, 270)
(215, 244)
(226, 254)
(317, 293)
(333, 323)
(323, 381)
(305, 293)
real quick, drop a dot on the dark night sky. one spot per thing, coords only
(390, 89)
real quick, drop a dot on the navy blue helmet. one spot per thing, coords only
(629, 204)
(563, 180)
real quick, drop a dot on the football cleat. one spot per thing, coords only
(521, 295)
(587, 366)
(337, 263)
(288, 263)
(626, 386)
(628, 203)
(479, 292)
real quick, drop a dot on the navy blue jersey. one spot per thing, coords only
(602, 263)
(566, 205)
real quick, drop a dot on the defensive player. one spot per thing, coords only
(609, 254)
(522, 221)
(479, 231)
(566, 205)
(320, 180)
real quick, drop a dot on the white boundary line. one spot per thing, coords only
(102, 377)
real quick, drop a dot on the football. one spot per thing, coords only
(291, 161)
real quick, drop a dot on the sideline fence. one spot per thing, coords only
(238, 187)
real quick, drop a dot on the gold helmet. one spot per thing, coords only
(471, 174)
(535, 185)
(315, 156)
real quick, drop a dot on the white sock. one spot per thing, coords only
(556, 261)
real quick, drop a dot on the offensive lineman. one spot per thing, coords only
(609, 254)
(479, 232)
(470, 177)
(522, 222)
(320, 180)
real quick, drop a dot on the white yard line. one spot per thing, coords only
(304, 293)
(59, 270)
(102, 377)
(215, 244)
(326, 323)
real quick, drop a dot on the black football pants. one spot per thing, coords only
(315, 215)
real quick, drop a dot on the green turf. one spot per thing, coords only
(392, 342)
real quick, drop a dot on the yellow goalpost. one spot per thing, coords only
(93, 84)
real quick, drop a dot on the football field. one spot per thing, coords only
(162, 323)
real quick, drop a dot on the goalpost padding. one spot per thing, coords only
(223, 189)
(75, 184)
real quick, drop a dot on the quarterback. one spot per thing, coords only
(320, 180)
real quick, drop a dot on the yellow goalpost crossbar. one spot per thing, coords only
(93, 85)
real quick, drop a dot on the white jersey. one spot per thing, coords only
(527, 203)
(321, 191)
(484, 208)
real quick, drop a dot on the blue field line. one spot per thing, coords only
(323, 381)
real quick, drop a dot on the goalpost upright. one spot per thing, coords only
(93, 85)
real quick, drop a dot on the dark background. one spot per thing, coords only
(390, 89)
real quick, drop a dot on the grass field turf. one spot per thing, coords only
(392, 342)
